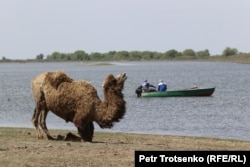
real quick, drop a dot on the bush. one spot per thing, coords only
(189, 53)
(230, 51)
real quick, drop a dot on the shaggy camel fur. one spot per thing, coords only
(77, 102)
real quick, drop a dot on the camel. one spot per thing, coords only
(77, 102)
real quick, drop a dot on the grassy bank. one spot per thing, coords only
(19, 147)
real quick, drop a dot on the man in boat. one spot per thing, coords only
(145, 87)
(138, 91)
(162, 87)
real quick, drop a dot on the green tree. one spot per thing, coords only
(135, 55)
(40, 57)
(189, 53)
(122, 55)
(230, 51)
(96, 56)
(80, 55)
(54, 56)
(203, 53)
(170, 54)
(158, 55)
(147, 55)
(110, 55)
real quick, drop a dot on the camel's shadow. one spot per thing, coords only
(70, 137)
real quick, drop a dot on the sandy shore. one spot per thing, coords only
(20, 147)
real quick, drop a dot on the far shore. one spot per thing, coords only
(20, 147)
(240, 58)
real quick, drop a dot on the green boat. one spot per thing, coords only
(195, 91)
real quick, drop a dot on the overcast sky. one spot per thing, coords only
(31, 27)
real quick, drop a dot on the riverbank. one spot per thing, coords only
(20, 147)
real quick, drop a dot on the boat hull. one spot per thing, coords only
(181, 93)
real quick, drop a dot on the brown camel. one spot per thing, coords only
(77, 102)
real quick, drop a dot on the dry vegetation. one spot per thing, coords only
(20, 147)
(242, 58)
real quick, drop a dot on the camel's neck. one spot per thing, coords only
(111, 109)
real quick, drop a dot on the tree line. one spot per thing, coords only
(125, 55)
(81, 55)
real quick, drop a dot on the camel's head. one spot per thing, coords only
(116, 83)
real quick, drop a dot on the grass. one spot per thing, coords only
(20, 147)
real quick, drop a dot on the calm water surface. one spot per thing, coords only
(224, 115)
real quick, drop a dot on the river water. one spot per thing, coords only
(226, 114)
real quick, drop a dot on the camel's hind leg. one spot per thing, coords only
(34, 120)
(42, 122)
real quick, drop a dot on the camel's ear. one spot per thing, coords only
(122, 77)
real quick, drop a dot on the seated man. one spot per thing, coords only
(144, 87)
(147, 87)
(162, 86)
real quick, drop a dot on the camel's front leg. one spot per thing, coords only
(42, 122)
(86, 131)
(34, 120)
(90, 131)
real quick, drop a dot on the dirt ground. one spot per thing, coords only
(20, 147)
